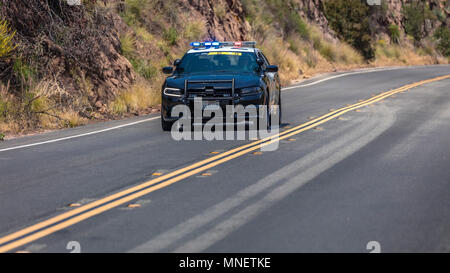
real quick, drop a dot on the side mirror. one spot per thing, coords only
(272, 68)
(176, 62)
(167, 70)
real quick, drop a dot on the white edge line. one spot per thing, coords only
(79, 135)
(339, 76)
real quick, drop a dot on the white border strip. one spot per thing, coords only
(77, 136)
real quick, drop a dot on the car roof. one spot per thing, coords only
(221, 49)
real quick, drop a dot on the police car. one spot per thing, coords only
(221, 74)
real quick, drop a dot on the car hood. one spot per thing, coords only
(240, 81)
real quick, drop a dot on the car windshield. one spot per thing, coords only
(218, 62)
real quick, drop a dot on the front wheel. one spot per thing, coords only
(280, 112)
(166, 125)
(264, 124)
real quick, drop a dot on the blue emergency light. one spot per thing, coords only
(221, 44)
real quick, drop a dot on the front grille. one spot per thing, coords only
(210, 88)
(212, 92)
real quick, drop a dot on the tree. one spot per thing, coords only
(350, 19)
(442, 35)
(415, 19)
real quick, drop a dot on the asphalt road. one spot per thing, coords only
(377, 173)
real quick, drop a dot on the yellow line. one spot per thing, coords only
(222, 158)
(143, 185)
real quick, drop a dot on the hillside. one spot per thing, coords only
(63, 66)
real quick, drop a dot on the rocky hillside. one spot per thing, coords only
(65, 65)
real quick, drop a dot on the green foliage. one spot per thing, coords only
(389, 51)
(128, 42)
(440, 14)
(294, 46)
(23, 69)
(442, 35)
(194, 30)
(144, 68)
(6, 107)
(328, 52)
(133, 11)
(170, 35)
(6, 39)
(3, 109)
(415, 19)
(144, 34)
(350, 19)
(251, 9)
(394, 33)
(287, 16)
(2, 136)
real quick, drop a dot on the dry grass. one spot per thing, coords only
(138, 97)
(71, 118)
(299, 58)
(194, 30)
(39, 108)
(143, 33)
(405, 54)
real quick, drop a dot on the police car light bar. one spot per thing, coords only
(220, 44)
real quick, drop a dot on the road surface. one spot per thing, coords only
(365, 169)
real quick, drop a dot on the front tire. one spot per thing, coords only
(280, 110)
(166, 125)
(266, 124)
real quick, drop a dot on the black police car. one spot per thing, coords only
(221, 73)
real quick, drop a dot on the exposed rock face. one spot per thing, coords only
(394, 15)
(312, 11)
(69, 42)
(224, 18)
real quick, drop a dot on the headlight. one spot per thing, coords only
(174, 92)
(250, 91)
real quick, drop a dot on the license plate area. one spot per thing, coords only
(211, 105)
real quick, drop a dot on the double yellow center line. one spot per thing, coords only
(79, 214)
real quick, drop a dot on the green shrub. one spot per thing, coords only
(144, 34)
(194, 30)
(251, 9)
(133, 10)
(287, 16)
(293, 46)
(414, 19)
(3, 109)
(2, 136)
(6, 39)
(442, 35)
(128, 42)
(171, 36)
(23, 69)
(328, 52)
(144, 68)
(394, 33)
(350, 20)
